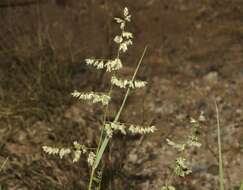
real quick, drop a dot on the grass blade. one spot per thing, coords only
(221, 171)
(241, 186)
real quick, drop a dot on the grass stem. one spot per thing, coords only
(221, 171)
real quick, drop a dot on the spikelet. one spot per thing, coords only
(56, 151)
(77, 155)
(193, 141)
(168, 187)
(50, 150)
(108, 65)
(92, 96)
(124, 45)
(110, 127)
(127, 35)
(113, 65)
(91, 158)
(181, 169)
(98, 64)
(125, 39)
(63, 152)
(179, 147)
(133, 129)
(124, 83)
(81, 147)
(136, 129)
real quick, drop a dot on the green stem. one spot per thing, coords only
(241, 186)
(91, 178)
(104, 121)
(221, 171)
(100, 140)
(106, 140)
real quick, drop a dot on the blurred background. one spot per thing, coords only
(195, 55)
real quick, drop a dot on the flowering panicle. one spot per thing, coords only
(133, 129)
(181, 168)
(81, 147)
(99, 64)
(179, 147)
(77, 155)
(108, 65)
(63, 152)
(77, 150)
(110, 127)
(125, 38)
(51, 150)
(124, 83)
(94, 97)
(123, 41)
(91, 158)
(136, 129)
(56, 151)
(193, 141)
(126, 18)
(113, 65)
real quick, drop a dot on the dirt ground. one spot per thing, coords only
(195, 56)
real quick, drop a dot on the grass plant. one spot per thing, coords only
(241, 186)
(111, 66)
(221, 170)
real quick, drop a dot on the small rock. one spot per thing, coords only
(132, 158)
(181, 117)
(239, 111)
(211, 77)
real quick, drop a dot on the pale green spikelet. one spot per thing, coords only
(112, 126)
(179, 147)
(124, 129)
(124, 83)
(109, 65)
(61, 152)
(193, 141)
(99, 64)
(94, 97)
(91, 158)
(136, 129)
(181, 169)
(168, 187)
(79, 149)
(51, 150)
(76, 155)
(113, 65)
(125, 38)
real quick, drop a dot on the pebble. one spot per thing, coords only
(211, 77)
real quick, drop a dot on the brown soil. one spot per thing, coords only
(195, 56)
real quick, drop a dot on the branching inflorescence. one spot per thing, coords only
(123, 41)
(181, 167)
